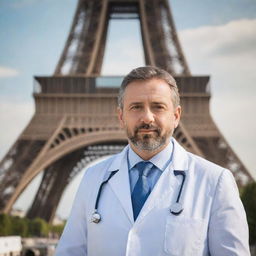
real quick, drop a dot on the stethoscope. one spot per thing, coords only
(96, 217)
(175, 208)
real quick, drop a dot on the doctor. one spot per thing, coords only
(154, 198)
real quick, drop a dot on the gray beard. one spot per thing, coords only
(148, 142)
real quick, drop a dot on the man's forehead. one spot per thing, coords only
(153, 80)
(149, 88)
(147, 96)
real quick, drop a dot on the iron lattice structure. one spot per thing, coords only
(75, 121)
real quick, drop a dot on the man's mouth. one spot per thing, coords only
(147, 130)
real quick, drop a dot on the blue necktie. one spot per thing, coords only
(142, 189)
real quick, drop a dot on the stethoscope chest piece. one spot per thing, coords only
(96, 218)
(176, 208)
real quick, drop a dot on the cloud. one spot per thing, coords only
(8, 72)
(234, 119)
(235, 37)
(227, 53)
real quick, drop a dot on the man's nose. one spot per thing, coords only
(147, 116)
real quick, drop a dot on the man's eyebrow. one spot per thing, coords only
(159, 103)
(152, 103)
(136, 103)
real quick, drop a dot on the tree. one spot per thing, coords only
(5, 225)
(57, 230)
(19, 227)
(249, 200)
(39, 227)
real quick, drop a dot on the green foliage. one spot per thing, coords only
(39, 227)
(249, 200)
(19, 226)
(57, 229)
(10, 225)
(5, 225)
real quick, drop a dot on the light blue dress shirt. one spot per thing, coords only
(160, 161)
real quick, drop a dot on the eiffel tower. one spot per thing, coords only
(75, 121)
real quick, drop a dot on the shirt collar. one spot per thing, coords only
(159, 160)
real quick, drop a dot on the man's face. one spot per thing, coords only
(148, 114)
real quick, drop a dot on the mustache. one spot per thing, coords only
(148, 127)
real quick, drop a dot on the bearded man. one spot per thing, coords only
(154, 198)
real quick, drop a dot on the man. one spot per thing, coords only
(156, 199)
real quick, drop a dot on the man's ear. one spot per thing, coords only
(120, 117)
(177, 115)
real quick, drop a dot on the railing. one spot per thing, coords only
(108, 84)
(70, 85)
(91, 121)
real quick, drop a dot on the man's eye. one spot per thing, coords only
(136, 107)
(159, 107)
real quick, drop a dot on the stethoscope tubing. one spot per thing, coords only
(175, 209)
(96, 217)
(101, 186)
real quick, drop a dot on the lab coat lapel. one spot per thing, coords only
(167, 184)
(120, 183)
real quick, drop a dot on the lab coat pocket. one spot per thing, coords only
(183, 236)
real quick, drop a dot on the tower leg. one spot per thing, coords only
(15, 164)
(55, 179)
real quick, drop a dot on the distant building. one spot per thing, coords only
(10, 246)
(18, 212)
(58, 220)
(38, 246)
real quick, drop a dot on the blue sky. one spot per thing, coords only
(218, 38)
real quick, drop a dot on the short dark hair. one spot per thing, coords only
(147, 73)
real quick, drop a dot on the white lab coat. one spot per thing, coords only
(213, 221)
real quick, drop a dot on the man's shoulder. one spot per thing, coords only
(204, 163)
(195, 163)
(209, 172)
(95, 173)
(207, 169)
(100, 167)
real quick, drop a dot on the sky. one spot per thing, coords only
(218, 39)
